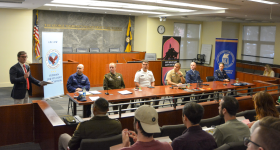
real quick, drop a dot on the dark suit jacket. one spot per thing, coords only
(17, 78)
(96, 127)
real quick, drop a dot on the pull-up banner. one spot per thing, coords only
(52, 43)
(225, 52)
(170, 52)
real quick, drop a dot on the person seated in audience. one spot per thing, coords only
(175, 76)
(145, 125)
(266, 136)
(232, 130)
(99, 126)
(264, 106)
(220, 74)
(268, 71)
(77, 82)
(114, 80)
(193, 136)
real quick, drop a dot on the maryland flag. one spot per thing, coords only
(128, 38)
(36, 37)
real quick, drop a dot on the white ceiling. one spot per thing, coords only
(236, 10)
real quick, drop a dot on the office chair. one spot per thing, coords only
(82, 50)
(94, 50)
(67, 50)
(114, 49)
(151, 56)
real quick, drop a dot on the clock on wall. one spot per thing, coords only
(161, 29)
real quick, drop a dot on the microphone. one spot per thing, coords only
(107, 93)
(124, 59)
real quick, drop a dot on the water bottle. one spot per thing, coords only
(84, 92)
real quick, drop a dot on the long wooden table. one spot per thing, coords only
(157, 91)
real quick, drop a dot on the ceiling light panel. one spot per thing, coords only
(102, 8)
(182, 4)
(119, 5)
(262, 1)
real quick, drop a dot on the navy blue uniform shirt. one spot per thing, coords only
(220, 75)
(192, 76)
(77, 81)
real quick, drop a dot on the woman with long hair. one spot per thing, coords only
(264, 106)
(268, 71)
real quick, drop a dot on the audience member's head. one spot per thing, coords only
(228, 105)
(266, 136)
(264, 105)
(100, 106)
(192, 112)
(267, 68)
(146, 121)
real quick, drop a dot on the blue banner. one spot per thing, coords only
(225, 52)
(52, 62)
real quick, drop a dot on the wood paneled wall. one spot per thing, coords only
(16, 124)
(96, 65)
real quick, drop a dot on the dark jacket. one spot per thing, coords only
(77, 81)
(96, 127)
(17, 78)
(192, 77)
(220, 75)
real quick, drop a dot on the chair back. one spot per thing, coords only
(172, 131)
(248, 70)
(233, 146)
(82, 50)
(214, 121)
(67, 50)
(101, 143)
(164, 79)
(151, 56)
(276, 75)
(210, 78)
(114, 49)
(259, 72)
(239, 69)
(94, 50)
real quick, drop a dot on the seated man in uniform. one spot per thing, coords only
(77, 82)
(99, 126)
(113, 80)
(175, 76)
(144, 77)
(220, 74)
(192, 76)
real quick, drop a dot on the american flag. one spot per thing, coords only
(36, 37)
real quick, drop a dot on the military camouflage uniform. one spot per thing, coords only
(113, 81)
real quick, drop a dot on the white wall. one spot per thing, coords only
(15, 35)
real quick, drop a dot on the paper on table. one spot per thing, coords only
(46, 82)
(124, 92)
(94, 98)
(209, 130)
(95, 92)
(87, 93)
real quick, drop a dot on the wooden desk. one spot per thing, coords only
(158, 91)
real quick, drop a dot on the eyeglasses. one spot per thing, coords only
(247, 141)
(24, 56)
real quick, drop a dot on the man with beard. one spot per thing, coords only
(232, 130)
(145, 125)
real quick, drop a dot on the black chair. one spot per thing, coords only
(82, 50)
(246, 62)
(233, 146)
(94, 50)
(239, 69)
(101, 143)
(278, 107)
(67, 50)
(200, 59)
(214, 121)
(276, 75)
(259, 72)
(248, 114)
(248, 70)
(172, 131)
(114, 49)
(238, 60)
(210, 78)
